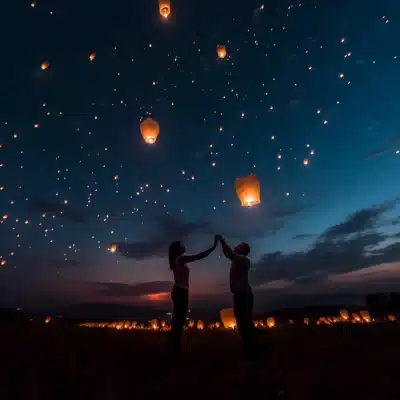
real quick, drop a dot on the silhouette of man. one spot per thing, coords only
(242, 294)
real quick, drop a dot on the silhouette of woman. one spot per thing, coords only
(178, 261)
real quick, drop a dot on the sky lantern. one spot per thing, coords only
(92, 56)
(228, 318)
(200, 325)
(306, 321)
(45, 65)
(150, 130)
(165, 8)
(270, 322)
(248, 190)
(221, 51)
(47, 320)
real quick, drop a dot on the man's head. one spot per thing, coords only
(243, 249)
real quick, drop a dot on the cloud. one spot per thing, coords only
(256, 222)
(302, 236)
(359, 221)
(351, 245)
(49, 207)
(170, 228)
(113, 289)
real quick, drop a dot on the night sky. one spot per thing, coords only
(306, 99)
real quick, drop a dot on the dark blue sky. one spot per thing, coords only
(300, 82)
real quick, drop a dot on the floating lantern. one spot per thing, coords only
(221, 51)
(45, 65)
(92, 56)
(165, 8)
(306, 321)
(150, 130)
(228, 318)
(47, 320)
(200, 325)
(248, 190)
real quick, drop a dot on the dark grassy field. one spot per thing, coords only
(316, 362)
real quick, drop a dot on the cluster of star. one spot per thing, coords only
(91, 168)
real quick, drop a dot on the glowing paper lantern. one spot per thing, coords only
(47, 320)
(270, 322)
(365, 316)
(150, 130)
(221, 51)
(200, 325)
(92, 56)
(228, 318)
(248, 190)
(113, 248)
(45, 65)
(165, 8)
(306, 321)
(391, 317)
(344, 314)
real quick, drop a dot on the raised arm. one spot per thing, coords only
(196, 257)
(229, 253)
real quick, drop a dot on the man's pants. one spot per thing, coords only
(243, 310)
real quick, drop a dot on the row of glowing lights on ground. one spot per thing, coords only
(229, 322)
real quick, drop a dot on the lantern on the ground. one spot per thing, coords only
(391, 318)
(165, 8)
(270, 322)
(248, 190)
(365, 316)
(221, 51)
(228, 318)
(344, 314)
(150, 130)
(200, 325)
(306, 321)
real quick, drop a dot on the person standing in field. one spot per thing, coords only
(243, 298)
(178, 263)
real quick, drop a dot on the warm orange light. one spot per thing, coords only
(92, 56)
(45, 65)
(158, 296)
(150, 130)
(113, 248)
(221, 51)
(270, 322)
(248, 190)
(228, 318)
(165, 8)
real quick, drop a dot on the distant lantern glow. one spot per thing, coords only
(270, 322)
(45, 65)
(92, 56)
(150, 130)
(305, 161)
(228, 318)
(165, 8)
(113, 248)
(221, 51)
(248, 190)
(344, 314)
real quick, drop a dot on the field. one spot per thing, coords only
(315, 362)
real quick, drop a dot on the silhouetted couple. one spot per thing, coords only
(239, 285)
